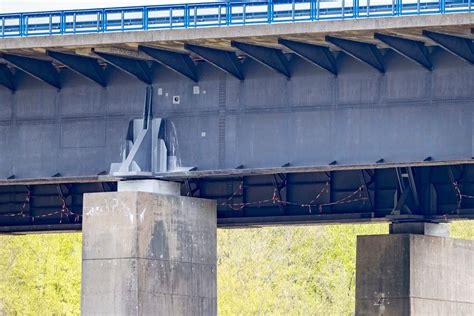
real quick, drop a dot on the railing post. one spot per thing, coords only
(171, 17)
(442, 4)
(145, 18)
(104, 21)
(312, 10)
(20, 28)
(74, 23)
(62, 23)
(50, 24)
(195, 16)
(318, 4)
(186, 15)
(228, 14)
(25, 30)
(270, 11)
(293, 11)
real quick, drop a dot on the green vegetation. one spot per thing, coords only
(271, 271)
(40, 274)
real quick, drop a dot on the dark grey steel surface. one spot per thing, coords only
(290, 143)
(265, 121)
(435, 194)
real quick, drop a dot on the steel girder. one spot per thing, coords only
(429, 193)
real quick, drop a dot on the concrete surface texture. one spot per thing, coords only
(148, 254)
(408, 274)
(150, 186)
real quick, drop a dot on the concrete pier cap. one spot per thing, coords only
(150, 186)
(420, 228)
(148, 251)
(414, 270)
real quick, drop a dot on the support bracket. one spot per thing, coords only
(365, 52)
(226, 61)
(135, 67)
(85, 66)
(459, 46)
(415, 51)
(178, 62)
(315, 54)
(40, 69)
(270, 57)
(6, 77)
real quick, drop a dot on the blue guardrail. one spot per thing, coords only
(215, 14)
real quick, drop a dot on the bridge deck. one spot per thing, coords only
(457, 23)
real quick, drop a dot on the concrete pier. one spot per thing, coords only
(148, 253)
(414, 274)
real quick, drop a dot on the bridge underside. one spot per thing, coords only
(429, 193)
(310, 127)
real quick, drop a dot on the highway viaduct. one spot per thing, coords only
(149, 139)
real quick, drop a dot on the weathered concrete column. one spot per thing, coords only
(148, 253)
(414, 273)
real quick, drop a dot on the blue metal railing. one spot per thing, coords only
(215, 14)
